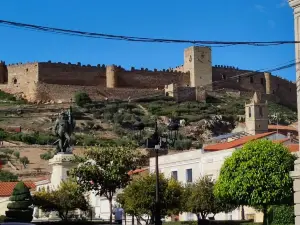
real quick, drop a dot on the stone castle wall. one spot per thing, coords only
(264, 82)
(64, 93)
(144, 78)
(39, 80)
(72, 74)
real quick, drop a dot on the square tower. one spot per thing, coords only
(197, 61)
(256, 118)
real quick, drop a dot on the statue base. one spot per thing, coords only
(296, 178)
(61, 163)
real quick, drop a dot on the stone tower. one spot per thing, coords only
(256, 117)
(197, 61)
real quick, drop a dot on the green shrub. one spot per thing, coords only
(2, 218)
(32, 138)
(19, 208)
(47, 155)
(282, 215)
(184, 144)
(82, 98)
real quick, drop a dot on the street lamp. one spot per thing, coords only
(156, 141)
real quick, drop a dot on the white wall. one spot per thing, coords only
(202, 163)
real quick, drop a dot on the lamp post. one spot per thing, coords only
(156, 142)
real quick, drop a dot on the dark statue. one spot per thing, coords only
(63, 129)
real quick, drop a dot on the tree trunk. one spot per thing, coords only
(132, 220)
(265, 211)
(243, 213)
(110, 210)
(198, 218)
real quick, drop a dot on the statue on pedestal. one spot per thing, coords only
(63, 129)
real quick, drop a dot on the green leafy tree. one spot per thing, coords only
(67, 198)
(6, 176)
(6, 154)
(20, 209)
(82, 98)
(105, 169)
(200, 199)
(257, 175)
(138, 198)
(25, 161)
(282, 215)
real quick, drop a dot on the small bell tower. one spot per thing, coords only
(256, 118)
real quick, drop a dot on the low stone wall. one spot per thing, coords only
(64, 93)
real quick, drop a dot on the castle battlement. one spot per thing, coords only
(196, 72)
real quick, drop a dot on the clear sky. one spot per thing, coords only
(226, 20)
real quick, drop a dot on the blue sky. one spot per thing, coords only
(230, 20)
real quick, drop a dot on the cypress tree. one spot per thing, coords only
(20, 209)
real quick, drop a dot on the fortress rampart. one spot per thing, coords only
(50, 81)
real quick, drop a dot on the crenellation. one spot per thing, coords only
(197, 73)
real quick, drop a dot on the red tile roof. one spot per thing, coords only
(236, 143)
(137, 171)
(281, 127)
(293, 147)
(281, 140)
(6, 188)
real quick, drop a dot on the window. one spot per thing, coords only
(15, 81)
(249, 112)
(262, 81)
(251, 80)
(189, 175)
(260, 111)
(174, 175)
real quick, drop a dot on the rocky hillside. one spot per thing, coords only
(111, 122)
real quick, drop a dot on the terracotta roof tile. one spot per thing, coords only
(137, 171)
(6, 188)
(236, 143)
(281, 140)
(281, 127)
(293, 147)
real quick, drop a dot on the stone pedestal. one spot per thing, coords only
(60, 163)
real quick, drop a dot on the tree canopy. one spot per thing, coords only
(20, 208)
(257, 175)
(67, 198)
(200, 199)
(138, 198)
(105, 169)
(6, 176)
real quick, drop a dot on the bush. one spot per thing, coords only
(283, 215)
(2, 218)
(34, 138)
(184, 144)
(19, 208)
(82, 98)
(47, 155)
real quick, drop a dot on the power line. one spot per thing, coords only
(279, 67)
(139, 39)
